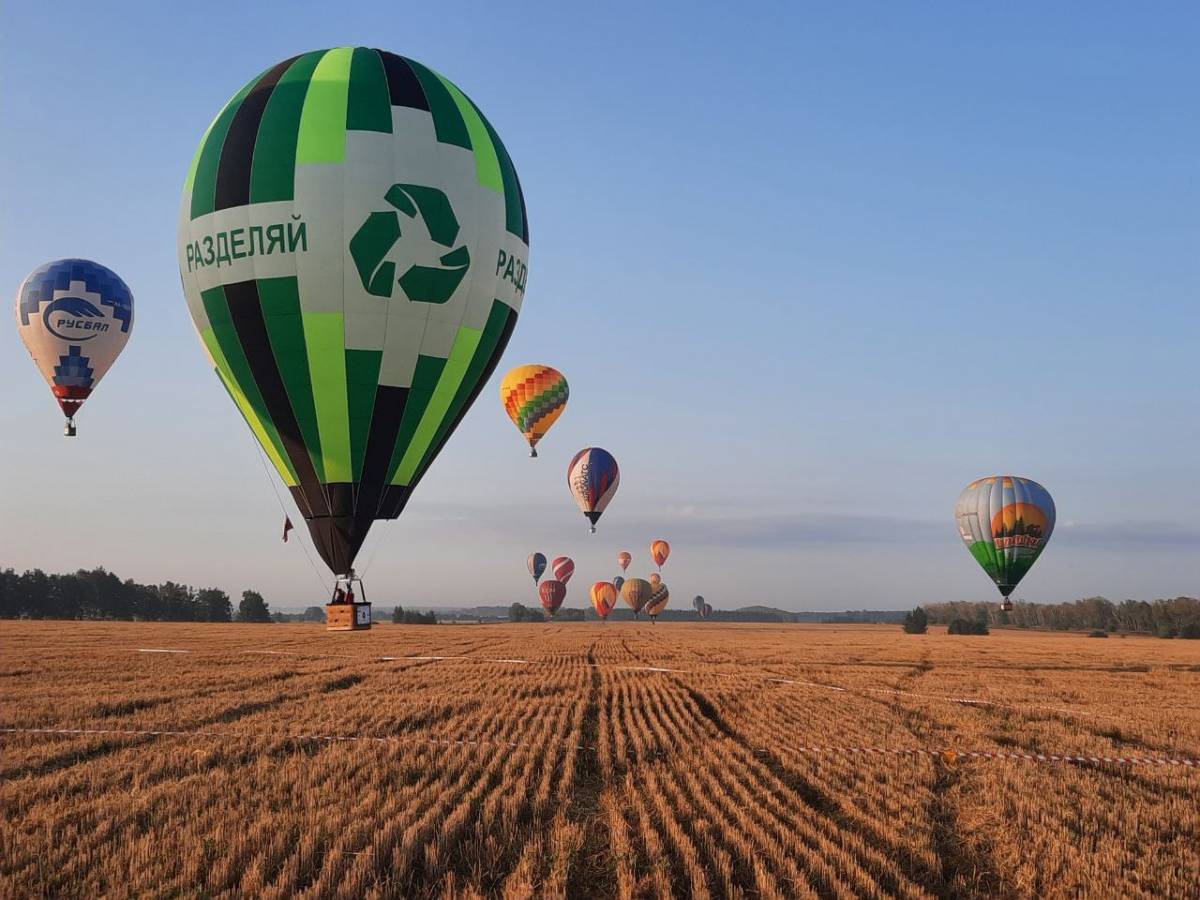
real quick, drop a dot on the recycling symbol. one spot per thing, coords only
(381, 231)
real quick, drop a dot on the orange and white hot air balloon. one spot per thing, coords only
(534, 397)
(624, 558)
(604, 598)
(659, 551)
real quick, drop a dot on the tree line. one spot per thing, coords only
(99, 594)
(1167, 618)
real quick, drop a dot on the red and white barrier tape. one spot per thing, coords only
(947, 754)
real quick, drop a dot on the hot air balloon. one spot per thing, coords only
(698, 603)
(564, 568)
(636, 592)
(537, 565)
(534, 397)
(618, 583)
(75, 317)
(624, 558)
(593, 476)
(353, 246)
(552, 593)
(604, 598)
(706, 612)
(655, 579)
(659, 551)
(1005, 521)
(658, 601)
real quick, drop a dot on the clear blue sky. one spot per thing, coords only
(808, 270)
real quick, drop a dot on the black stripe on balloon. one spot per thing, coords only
(501, 342)
(237, 153)
(381, 441)
(245, 309)
(395, 496)
(403, 87)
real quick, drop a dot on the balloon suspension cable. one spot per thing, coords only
(283, 509)
(378, 543)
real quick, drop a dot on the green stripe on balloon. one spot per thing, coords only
(325, 337)
(426, 376)
(274, 168)
(362, 378)
(487, 163)
(447, 120)
(368, 107)
(226, 350)
(204, 181)
(280, 300)
(514, 200)
(322, 135)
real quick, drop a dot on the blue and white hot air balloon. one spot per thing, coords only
(75, 317)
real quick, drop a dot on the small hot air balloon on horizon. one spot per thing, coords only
(698, 604)
(537, 565)
(706, 612)
(74, 317)
(636, 592)
(552, 593)
(655, 579)
(604, 598)
(593, 477)
(624, 558)
(658, 601)
(1005, 521)
(659, 551)
(564, 568)
(534, 396)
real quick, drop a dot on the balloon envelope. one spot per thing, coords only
(1005, 521)
(552, 593)
(353, 247)
(698, 603)
(537, 565)
(593, 477)
(624, 558)
(564, 568)
(655, 579)
(636, 592)
(707, 611)
(604, 598)
(74, 317)
(618, 583)
(658, 600)
(534, 397)
(659, 551)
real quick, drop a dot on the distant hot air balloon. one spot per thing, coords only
(534, 397)
(552, 593)
(698, 603)
(618, 583)
(593, 476)
(706, 612)
(655, 579)
(636, 592)
(353, 247)
(604, 598)
(659, 551)
(564, 568)
(624, 558)
(537, 565)
(1005, 521)
(74, 317)
(658, 601)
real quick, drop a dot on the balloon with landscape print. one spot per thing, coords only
(636, 593)
(624, 558)
(537, 565)
(593, 477)
(552, 593)
(604, 598)
(659, 551)
(1005, 521)
(564, 568)
(74, 317)
(534, 397)
(353, 247)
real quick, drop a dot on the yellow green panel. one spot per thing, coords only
(487, 163)
(325, 338)
(322, 137)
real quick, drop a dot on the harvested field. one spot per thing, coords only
(619, 760)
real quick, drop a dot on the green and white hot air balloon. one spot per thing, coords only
(354, 247)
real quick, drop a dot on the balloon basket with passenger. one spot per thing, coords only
(347, 611)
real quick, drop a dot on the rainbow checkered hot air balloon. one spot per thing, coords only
(534, 397)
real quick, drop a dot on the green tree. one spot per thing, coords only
(916, 622)
(398, 615)
(214, 605)
(518, 613)
(253, 608)
(314, 614)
